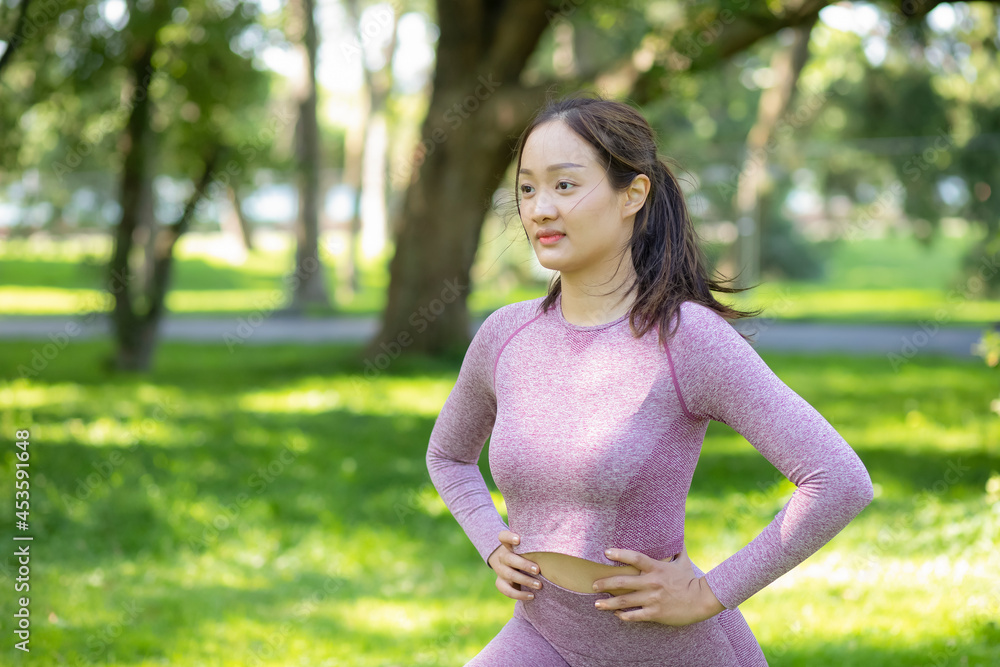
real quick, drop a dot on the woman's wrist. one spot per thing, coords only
(492, 553)
(710, 604)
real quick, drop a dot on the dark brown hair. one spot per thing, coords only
(669, 263)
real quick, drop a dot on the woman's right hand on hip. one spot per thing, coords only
(511, 568)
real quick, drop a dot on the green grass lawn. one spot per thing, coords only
(272, 507)
(875, 280)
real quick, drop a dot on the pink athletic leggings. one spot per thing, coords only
(562, 628)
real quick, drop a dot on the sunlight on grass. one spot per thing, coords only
(55, 301)
(804, 302)
(16, 300)
(382, 396)
(918, 432)
(225, 301)
(24, 394)
(310, 401)
(411, 396)
(821, 591)
(374, 615)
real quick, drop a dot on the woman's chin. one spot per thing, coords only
(549, 262)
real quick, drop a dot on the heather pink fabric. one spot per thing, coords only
(562, 628)
(595, 434)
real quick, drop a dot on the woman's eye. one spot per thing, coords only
(525, 189)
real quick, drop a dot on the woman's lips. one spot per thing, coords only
(549, 240)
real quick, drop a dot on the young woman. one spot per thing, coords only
(596, 421)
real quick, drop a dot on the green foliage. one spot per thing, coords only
(981, 267)
(785, 254)
(70, 95)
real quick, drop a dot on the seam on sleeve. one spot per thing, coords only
(677, 386)
(504, 346)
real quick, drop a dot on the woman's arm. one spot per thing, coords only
(722, 377)
(456, 443)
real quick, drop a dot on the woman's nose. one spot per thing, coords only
(542, 208)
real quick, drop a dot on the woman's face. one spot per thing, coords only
(564, 190)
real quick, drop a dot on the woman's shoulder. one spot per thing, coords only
(528, 307)
(508, 318)
(695, 314)
(706, 347)
(700, 326)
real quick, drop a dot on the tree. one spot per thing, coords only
(479, 105)
(786, 64)
(365, 149)
(476, 106)
(310, 288)
(198, 146)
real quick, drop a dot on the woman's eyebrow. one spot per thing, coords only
(556, 167)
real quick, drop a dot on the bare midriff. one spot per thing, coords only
(579, 574)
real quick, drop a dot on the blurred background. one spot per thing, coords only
(244, 246)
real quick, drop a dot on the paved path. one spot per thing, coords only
(903, 340)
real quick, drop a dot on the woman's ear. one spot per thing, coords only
(636, 194)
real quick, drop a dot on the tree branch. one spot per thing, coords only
(168, 237)
(17, 38)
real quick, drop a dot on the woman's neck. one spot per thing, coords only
(591, 307)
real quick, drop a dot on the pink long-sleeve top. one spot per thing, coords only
(595, 434)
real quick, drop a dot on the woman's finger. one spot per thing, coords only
(637, 599)
(527, 565)
(528, 582)
(509, 537)
(515, 576)
(507, 589)
(632, 582)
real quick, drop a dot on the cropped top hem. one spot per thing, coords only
(554, 544)
(530, 543)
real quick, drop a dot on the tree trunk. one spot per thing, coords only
(774, 102)
(366, 149)
(353, 155)
(235, 224)
(310, 286)
(146, 232)
(136, 191)
(138, 303)
(476, 110)
(166, 241)
(137, 337)
(245, 229)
